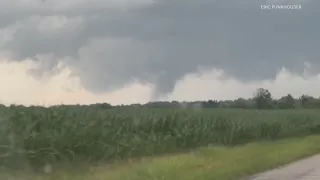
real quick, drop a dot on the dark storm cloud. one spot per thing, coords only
(162, 42)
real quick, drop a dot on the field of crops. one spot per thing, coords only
(36, 135)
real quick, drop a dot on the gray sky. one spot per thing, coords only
(107, 45)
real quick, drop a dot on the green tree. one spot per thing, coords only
(286, 102)
(240, 103)
(263, 99)
(305, 101)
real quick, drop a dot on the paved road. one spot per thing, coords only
(306, 169)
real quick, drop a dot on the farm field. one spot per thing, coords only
(206, 163)
(34, 137)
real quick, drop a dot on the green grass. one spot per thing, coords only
(206, 163)
(34, 136)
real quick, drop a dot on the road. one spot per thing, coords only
(306, 169)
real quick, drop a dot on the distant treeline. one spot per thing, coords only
(262, 99)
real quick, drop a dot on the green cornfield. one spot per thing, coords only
(36, 135)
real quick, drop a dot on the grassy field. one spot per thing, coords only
(206, 163)
(215, 163)
(36, 136)
(64, 136)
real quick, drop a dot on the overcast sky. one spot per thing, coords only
(128, 51)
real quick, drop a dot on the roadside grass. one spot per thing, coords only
(206, 163)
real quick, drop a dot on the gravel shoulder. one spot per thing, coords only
(306, 169)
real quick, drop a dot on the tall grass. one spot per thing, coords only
(64, 134)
